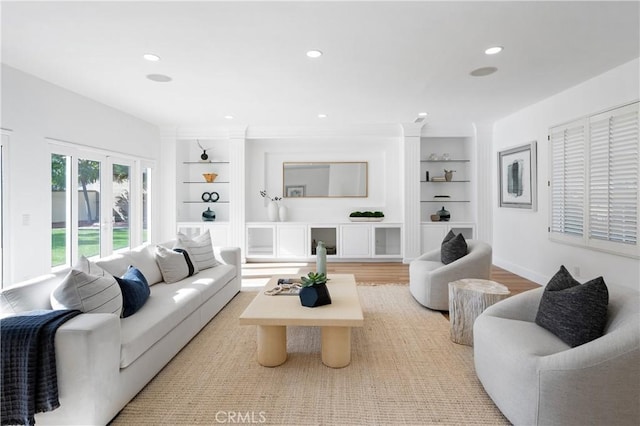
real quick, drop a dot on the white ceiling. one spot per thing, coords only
(383, 62)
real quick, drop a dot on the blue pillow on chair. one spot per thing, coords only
(135, 291)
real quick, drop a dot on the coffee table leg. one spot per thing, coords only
(272, 345)
(336, 346)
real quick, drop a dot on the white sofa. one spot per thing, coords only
(429, 278)
(102, 360)
(536, 379)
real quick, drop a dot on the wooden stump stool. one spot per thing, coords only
(467, 299)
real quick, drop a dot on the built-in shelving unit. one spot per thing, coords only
(458, 190)
(193, 187)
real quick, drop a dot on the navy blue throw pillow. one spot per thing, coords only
(135, 291)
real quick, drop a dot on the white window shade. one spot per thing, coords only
(613, 180)
(567, 184)
(595, 168)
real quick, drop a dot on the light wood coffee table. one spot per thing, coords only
(272, 315)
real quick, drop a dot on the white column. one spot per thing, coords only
(164, 187)
(411, 183)
(485, 182)
(237, 150)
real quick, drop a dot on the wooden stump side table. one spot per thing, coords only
(468, 298)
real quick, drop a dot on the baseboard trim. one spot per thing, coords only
(523, 272)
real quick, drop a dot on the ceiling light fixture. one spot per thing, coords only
(322, 115)
(314, 54)
(228, 117)
(493, 50)
(482, 72)
(422, 114)
(160, 78)
(151, 57)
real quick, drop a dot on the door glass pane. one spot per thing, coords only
(59, 209)
(88, 208)
(120, 209)
(146, 187)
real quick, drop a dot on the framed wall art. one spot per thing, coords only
(517, 177)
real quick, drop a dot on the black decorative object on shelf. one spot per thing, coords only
(210, 197)
(203, 156)
(208, 215)
(444, 214)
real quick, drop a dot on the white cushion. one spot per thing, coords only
(144, 259)
(173, 265)
(167, 307)
(88, 293)
(200, 250)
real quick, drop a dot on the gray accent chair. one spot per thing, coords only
(429, 278)
(536, 379)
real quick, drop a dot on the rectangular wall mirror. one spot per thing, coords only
(325, 179)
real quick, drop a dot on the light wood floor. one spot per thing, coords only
(257, 274)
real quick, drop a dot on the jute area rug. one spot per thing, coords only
(404, 370)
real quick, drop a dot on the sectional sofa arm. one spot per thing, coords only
(88, 364)
(228, 255)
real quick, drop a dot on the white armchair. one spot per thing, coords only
(536, 379)
(429, 278)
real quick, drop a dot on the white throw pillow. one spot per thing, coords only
(88, 267)
(144, 259)
(173, 265)
(200, 250)
(88, 293)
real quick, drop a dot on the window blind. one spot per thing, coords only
(567, 185)
(595, 168)
(613, 178)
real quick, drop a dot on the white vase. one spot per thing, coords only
(272, 211)
(283, 213)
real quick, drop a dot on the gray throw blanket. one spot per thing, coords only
(28, 364)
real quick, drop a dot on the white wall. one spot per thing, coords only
(264, 160)
(34, 110)
(520, 238)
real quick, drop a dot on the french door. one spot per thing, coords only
(97, 206)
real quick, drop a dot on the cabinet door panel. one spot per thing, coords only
(292, 241)
(356, 241)
(432, 236)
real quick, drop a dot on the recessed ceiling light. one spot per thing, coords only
(493, 50)
(322, 115)
(160, 78)
(422, 114)
(151, 57)
(314, 53)
(482, 72)
(228, 117)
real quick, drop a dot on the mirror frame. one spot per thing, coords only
(366, 177)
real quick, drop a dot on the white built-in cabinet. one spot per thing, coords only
(355, 241)
(432, 234)
(291, 241)
(219, 231)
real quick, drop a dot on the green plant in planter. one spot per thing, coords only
(313, 278)
(314, 291)
(367, 214)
